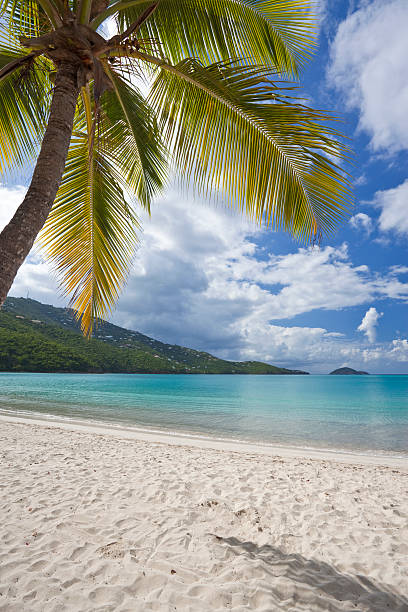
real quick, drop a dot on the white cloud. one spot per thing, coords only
(34, 278)
(361, 221)
(321, 13)
(369, 323)
(398, 270)
(394, 208)
(399, 350)
(361, 180)
(201, 280)
(368, 66)
(10, 199)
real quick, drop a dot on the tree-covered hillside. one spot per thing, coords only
(36, 337)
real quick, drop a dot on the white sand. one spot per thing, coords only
(92, 521)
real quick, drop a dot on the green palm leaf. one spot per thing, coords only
(268, 155)
(135, 144)
(278, 33)
(24, 102)
(90, 235)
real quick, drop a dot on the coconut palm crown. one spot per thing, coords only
(220, 112)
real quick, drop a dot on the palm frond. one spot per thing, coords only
(277, 33)
(134, 142)
(24, 103)
(266, 152)
(90, 234)
(24, 18)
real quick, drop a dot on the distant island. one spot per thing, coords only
(36, 337)
(348, 371)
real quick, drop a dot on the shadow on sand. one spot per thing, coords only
(307, 584)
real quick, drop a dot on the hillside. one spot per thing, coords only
(348, 372)
(37, 337)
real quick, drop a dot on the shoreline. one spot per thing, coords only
(206, 442)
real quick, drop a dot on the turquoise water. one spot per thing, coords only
(360, 413)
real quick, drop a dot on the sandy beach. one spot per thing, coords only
(92, 520)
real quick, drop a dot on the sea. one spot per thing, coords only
(366, 414)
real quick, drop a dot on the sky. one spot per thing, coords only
(206, 278)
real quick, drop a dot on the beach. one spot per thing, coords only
(99, 519)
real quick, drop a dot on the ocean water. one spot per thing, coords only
(354, 413)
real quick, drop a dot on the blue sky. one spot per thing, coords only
(205, 278)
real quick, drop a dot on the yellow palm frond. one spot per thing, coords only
(90, 235)
(23, 18)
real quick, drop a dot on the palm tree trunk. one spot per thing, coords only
(18, 236)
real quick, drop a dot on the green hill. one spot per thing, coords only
(37, 337)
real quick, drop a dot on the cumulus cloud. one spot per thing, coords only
(399, 350)
(202, 278)
(214, 255)
(361, 221)
(368, 66)
(34, 279)
(394, 208)
(369, 323)
(10, 199)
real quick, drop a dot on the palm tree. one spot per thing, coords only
(217, 109)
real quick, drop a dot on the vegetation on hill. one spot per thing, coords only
(36, 337)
